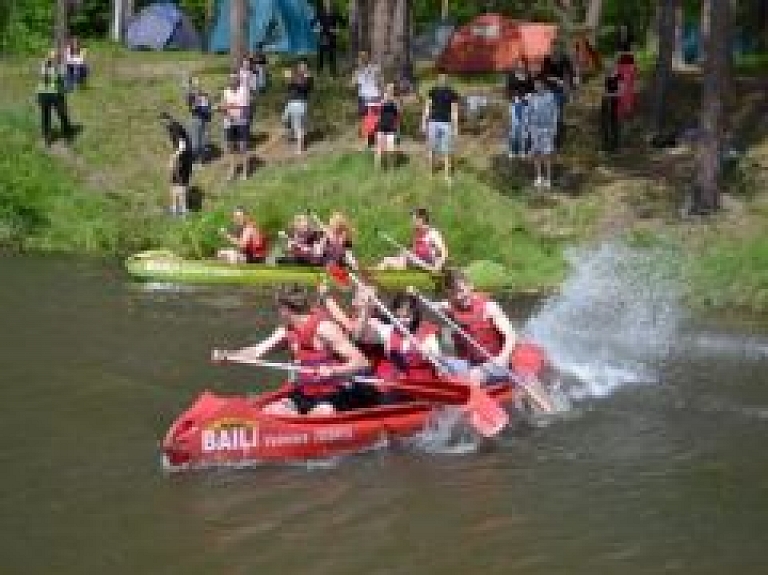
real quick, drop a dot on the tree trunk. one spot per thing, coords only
(592, 21)
(353, 15)
(678, 58)
(122, 13)
(762, 24)
(444, 11)
(237, 35)
(666, 35)
(388, 32)
(715, 36)
(61, 26)
(652, 36)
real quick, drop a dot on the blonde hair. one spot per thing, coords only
(339, 222)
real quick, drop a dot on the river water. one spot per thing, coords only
(659, 467)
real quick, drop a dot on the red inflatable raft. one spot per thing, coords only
(234, 430)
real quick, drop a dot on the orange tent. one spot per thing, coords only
(494, 43)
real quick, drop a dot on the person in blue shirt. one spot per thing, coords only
(542, 121)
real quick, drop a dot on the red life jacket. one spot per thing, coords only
(257, 247)
(422, 248)
(409, 359)
(302, 344)
(478, 325)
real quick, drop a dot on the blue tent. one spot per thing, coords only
(161, 26)
(273, 25)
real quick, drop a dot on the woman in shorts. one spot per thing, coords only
(388, 125)
(295, 113)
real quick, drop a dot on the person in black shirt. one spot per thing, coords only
(609, 112)
(327, 23)
(180, 164)
(295, 113)
(387, 126)
(441, 123)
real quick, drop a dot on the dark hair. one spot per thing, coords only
(295, 297)
(403, 299)
(454, 276)
(421, 213)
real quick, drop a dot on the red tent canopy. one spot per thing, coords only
(494, 43)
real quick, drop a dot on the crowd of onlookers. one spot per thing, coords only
(536, 96)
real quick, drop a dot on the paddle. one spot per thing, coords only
(537, 395)
(434, 394)
(486, 415)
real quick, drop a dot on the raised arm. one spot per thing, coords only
(442, 252)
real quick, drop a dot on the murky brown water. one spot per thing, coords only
(662, 478)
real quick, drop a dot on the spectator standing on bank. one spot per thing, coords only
(609, 111)
(542, 122)
(201, 110)
(260, 70)
(179, 165)
(440, 122)
(51, 96)
(77, 70)
(234, 104)
(327, 24)
(519, 87)
(300, 85)
(387, 127)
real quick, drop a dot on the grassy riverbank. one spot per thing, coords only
(105, 194)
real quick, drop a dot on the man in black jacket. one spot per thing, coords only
(327, 24)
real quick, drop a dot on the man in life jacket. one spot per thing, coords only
(326, 358)
(250, 243)
(490, 329)
(391, 353)
(427, 250)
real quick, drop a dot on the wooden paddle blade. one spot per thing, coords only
(485, 414)
(338, 274)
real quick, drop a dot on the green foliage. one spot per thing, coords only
(25, 26)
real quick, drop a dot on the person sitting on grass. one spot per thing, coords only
(250, 243)
(387, 127)
(428, 251)
(179, 165)
(337, 241)
(234, 103)
(295, 114)
(441, 124)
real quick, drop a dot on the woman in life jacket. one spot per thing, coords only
(303, 243)
(326, 358)
(399, 356)
(337, 241)
(250, 244)
(427, 249)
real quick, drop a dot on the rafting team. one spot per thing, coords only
(336, 350)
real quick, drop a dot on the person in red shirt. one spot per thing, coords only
(250, 244)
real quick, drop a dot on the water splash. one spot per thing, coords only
(445, 433)
(615, 319)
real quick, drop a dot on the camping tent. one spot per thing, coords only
(493, 43)
(162, 25)
(274, 25)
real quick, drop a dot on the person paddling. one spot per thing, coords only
(250, 243)
(427, 251)
(326, 358)
(485, 322)
(304, 243)
(392, 354)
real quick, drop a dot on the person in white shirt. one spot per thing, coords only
(234, 104)
(74, 58)
(367, 82)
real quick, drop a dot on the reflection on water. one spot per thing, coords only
(667, 477)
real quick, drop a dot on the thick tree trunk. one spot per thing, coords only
(715, 36)
(122, 13)
(61, 25)
(237, 34)
(666, 35)
(353, 15)
(388, 31)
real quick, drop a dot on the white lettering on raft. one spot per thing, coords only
(229, 439)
